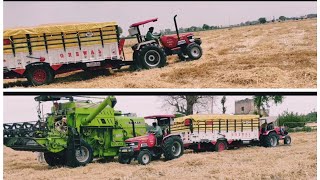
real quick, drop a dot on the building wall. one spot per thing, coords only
(245, 106)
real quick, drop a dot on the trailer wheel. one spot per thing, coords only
(271, 140)
(80, 156)
(144, 157)
(152, 56)
(123, 159)
(39, 75)
(173, 148)
(287, 140)
(220, 146)
(54, 159)
(194, 51)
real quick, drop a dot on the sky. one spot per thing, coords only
(24, 108)
(32, 13)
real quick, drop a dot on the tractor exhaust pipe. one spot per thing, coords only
(175, 24)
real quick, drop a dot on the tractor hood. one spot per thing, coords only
(138, 139)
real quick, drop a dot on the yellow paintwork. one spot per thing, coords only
(57, 28)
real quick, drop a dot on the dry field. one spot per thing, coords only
(279, 55)
(298, 161)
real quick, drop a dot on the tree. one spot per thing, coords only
(120, 30)
(205, 27)
(282, 18)
(188, 104)
(223, 101)
(262, 102)
(262, 20)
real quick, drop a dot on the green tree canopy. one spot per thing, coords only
(262, 20)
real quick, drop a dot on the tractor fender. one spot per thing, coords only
(170, 135)
(145, 43)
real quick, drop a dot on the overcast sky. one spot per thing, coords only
(31, 13)
(24, 108)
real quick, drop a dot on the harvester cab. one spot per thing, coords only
(271, 134)
(144, 148)
(75, 131)
(152, 53)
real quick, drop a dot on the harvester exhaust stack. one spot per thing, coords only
(111, 101)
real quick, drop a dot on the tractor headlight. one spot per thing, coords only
(144, 144)
(133, 144)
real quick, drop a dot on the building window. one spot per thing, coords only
(242, 109)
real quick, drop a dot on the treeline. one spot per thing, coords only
(295, 121)
(261, 20)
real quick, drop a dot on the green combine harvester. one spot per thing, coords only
(75, 131)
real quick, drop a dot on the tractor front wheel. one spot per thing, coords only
(287, 140)
(194, 51)
(123, 159)
(144, 157)
(173, 147)
(152, 56)
(39, 75)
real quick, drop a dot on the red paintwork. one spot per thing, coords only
(143, 22)
(42, 59)
(150, 139)
(214, 142)
(19, 71)
(230, 141)
(171, 41)
(221, 147)
(187, 122)
(121, 44)
(56, 66)
(40, 75)
(159, 116)
(6, 42)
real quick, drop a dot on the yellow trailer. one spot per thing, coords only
(217, 131)
(38, 53)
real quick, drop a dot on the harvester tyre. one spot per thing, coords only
(75, 158)
(152, 56)
(123, 159)
(144, 157)
(40, 75)
(220, 146)
(194, 51)
(287, 140)
(54, 159)
(173, 148)
(270, 140)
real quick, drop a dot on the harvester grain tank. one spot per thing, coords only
(74, 132)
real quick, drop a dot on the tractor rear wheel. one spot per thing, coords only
(54, 159)
(271, 140)
(287, 140)
(173, 148)
(194, 51)
(123, 159)
(220, 146)
(39, 75)
(144, 157)
(152, 56)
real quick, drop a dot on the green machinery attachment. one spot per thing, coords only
(75, 131)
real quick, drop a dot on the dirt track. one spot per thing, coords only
(279, 55)
(298, 161)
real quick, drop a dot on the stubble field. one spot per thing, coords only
(297, 161)
(274, 55)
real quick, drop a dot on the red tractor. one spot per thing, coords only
(146, 148)
(152, 54)
(270, 134)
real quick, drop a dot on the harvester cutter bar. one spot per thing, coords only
(24, 129)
